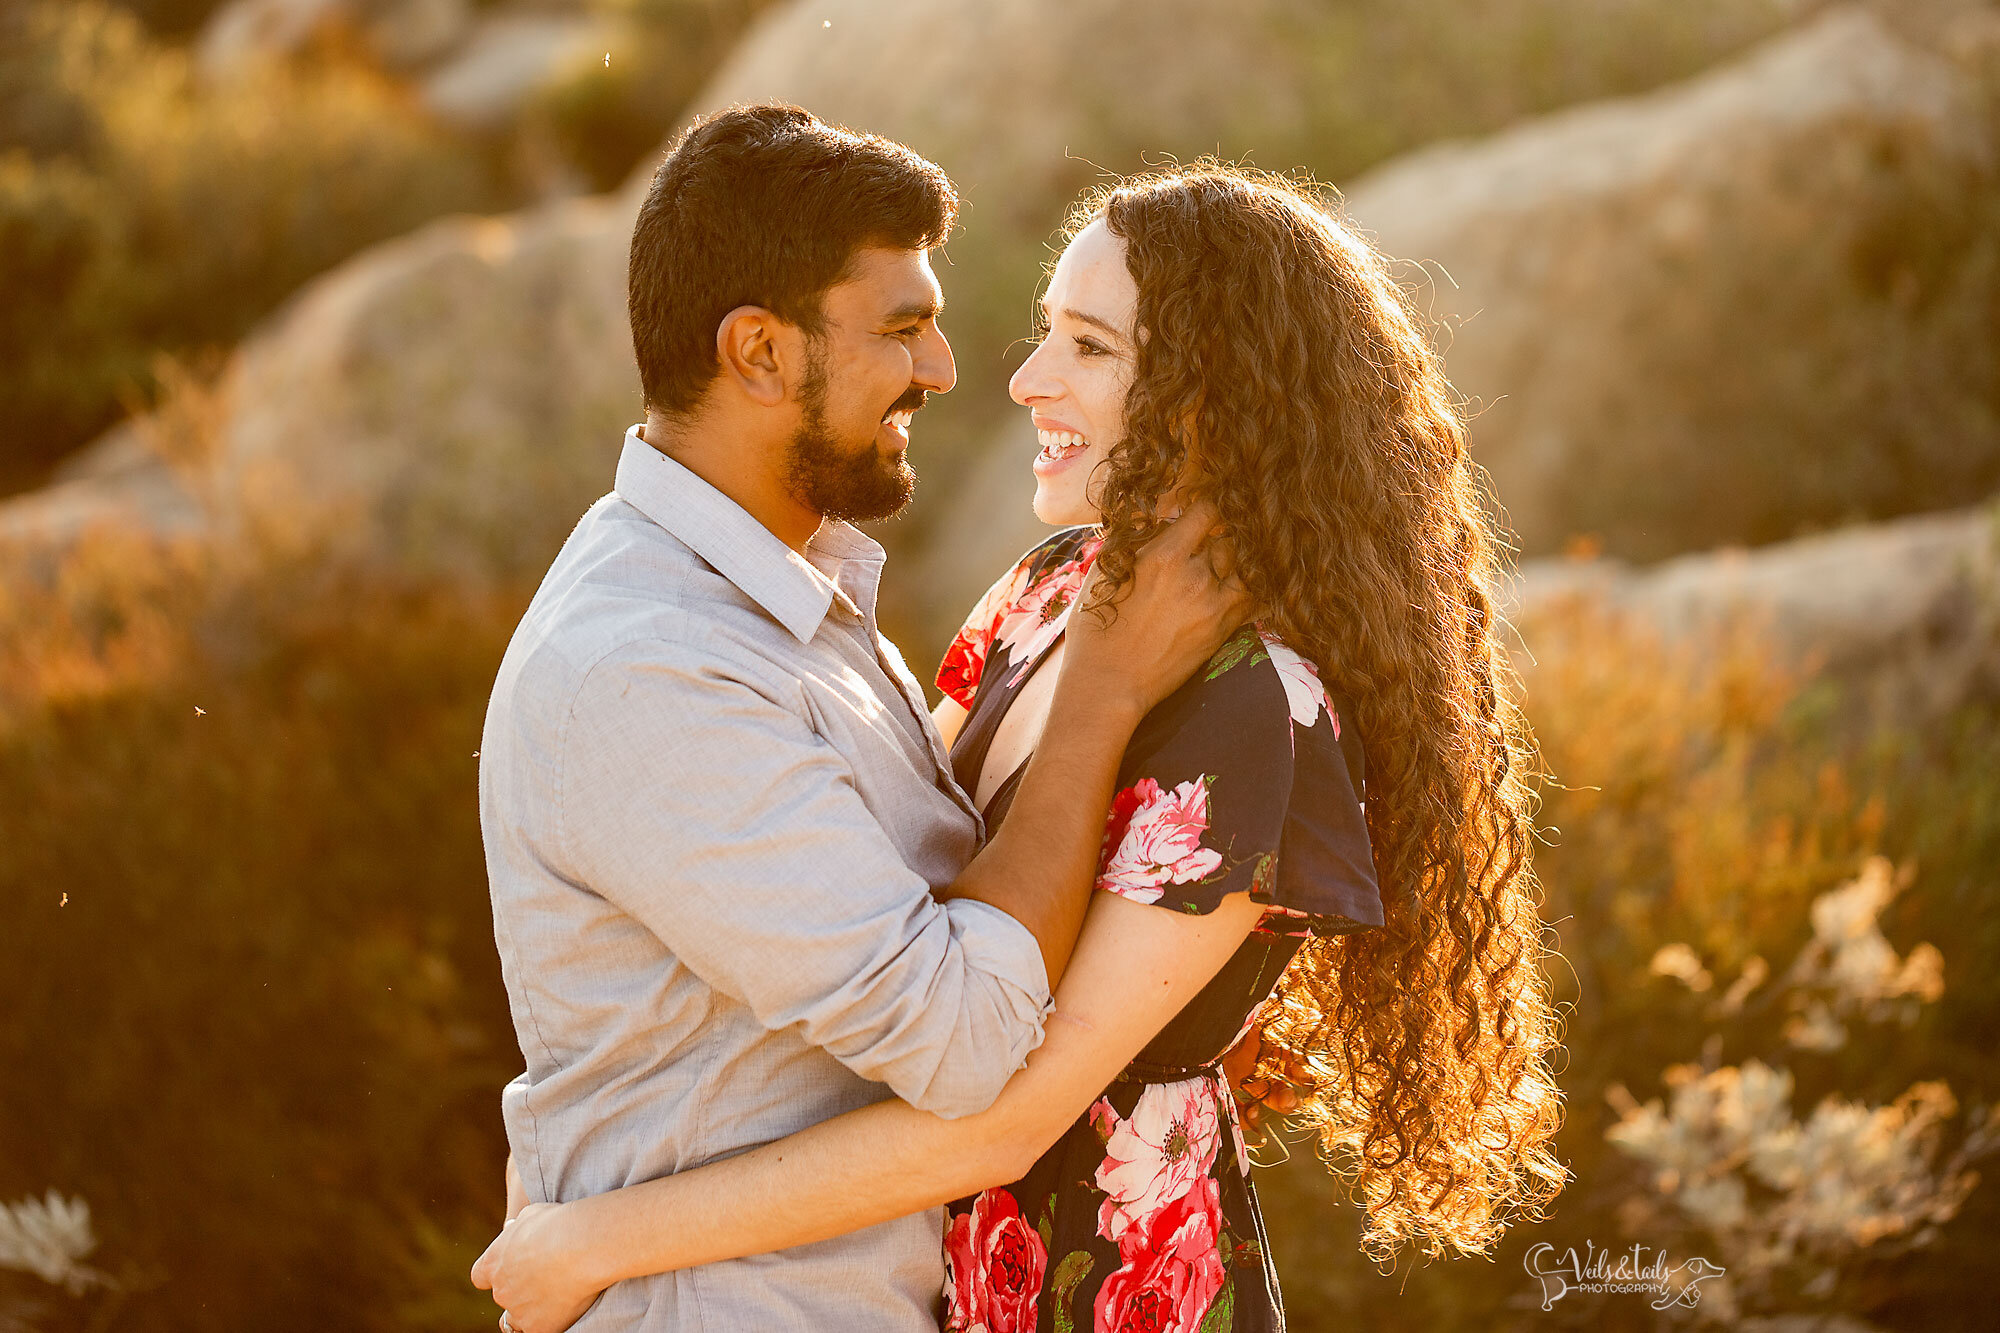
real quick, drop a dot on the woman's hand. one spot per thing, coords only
(535, 1270)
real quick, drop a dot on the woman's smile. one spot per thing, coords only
(1060, 446)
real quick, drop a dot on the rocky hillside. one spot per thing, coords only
(1708, 314)
(1730, 309)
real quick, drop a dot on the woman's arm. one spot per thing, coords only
(949, 715)
(1136, 967)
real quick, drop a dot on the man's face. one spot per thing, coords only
(881, 354)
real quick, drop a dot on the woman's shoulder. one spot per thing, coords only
(1251, 756)
(1264, 683)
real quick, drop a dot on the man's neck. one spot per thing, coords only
(744, 469)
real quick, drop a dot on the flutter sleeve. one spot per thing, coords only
(1240, 783)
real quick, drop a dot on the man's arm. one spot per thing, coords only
(709, 809)
(1039, 867)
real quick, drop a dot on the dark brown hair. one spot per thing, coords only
(763, 205)
(1284, 369)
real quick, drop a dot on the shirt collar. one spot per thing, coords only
(842, 567)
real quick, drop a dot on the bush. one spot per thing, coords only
(1705, 797)
(254, 1012)
(142, 212)
(605, 116)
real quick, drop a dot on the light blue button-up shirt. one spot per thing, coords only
(714, 810)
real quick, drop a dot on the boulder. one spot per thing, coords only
(120, 481)
(1908, 609)
(1742, 306)
(461, 390)
(506, 60)
(403, 33)
(449, 401)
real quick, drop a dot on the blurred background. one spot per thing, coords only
(313, 348)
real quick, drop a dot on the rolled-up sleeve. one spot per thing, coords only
(708, 808)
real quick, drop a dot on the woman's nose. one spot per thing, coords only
(1031, 381)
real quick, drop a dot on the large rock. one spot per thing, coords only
(1908, 609)
(449, 401)
(1751, 303)
(460, 391)
(244, 33)
(476, 67)
(507, 59)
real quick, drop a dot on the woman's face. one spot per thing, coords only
(1076, 381)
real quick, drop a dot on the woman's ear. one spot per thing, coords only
(747, 347)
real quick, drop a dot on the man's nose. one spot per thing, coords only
(933, 367)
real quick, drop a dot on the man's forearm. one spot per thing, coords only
(1039, 867)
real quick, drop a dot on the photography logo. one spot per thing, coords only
(1597, 1270)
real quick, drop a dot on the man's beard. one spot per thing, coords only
(858, 487)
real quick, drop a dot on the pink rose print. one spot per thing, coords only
(994, 1263)
(1157, 1155)
(1303, 691)
(1103, 1119)
(1172, 1269)
(1039, 614)
(1153, 839)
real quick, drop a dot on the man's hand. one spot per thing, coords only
(536, 1272)
(1263, 1096)
(1181, 605)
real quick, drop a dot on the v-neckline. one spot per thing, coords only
(1007, 785)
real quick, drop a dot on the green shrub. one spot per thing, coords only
(1703, 795)
(143, 212)
(254, 1014)
(605, 116)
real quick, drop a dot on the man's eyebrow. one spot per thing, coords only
(1083, 317)
(928, 308)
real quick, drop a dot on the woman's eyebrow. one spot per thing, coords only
(1083, 317)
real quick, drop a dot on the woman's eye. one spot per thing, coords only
(1090, 347)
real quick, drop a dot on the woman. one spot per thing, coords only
(1211, 333)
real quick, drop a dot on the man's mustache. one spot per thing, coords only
(911, 401)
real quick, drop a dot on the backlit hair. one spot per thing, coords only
(1279, 359)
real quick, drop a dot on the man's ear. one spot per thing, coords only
(751, 346)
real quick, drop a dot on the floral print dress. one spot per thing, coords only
(1142, 1217)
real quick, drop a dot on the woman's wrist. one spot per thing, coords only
(590, 1240)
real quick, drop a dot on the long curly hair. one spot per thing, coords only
(1283, 374)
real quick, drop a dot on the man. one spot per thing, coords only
(735, 887)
